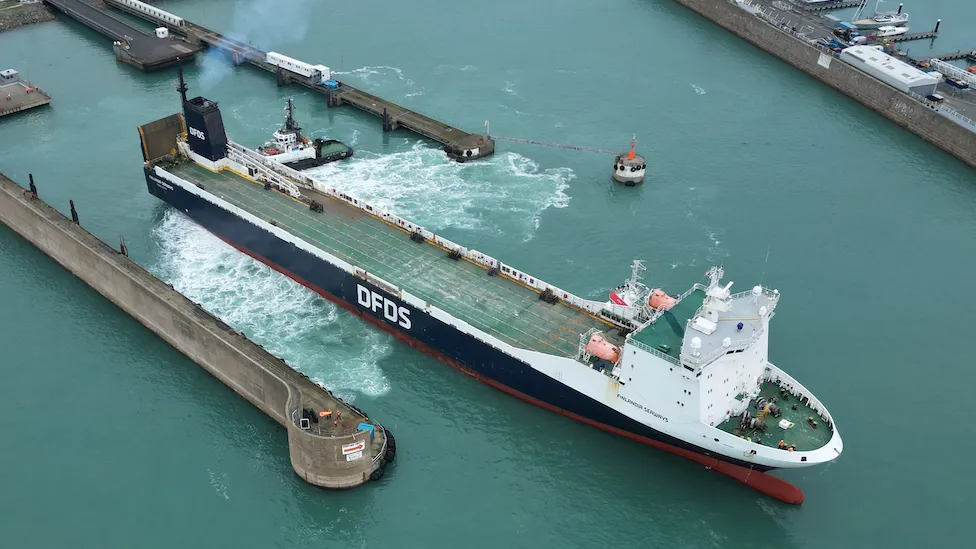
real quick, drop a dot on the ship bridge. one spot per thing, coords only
(706, 323)
(726, 323)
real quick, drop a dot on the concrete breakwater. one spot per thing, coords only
(27, 14)
(912, 114)
(338, 451)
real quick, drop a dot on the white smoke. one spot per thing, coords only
(264, 24)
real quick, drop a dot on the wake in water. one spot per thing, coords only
(503, 194)
(386, 78)
(336, 350)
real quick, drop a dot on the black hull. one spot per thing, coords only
(309, 163)
(413, 325)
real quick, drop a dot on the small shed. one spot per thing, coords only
(9, 75)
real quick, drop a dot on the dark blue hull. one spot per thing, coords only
(411, 324)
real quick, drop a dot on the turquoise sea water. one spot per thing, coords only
(110, 438)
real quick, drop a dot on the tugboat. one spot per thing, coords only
(291, 148)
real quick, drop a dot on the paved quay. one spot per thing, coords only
(458, 144)
(132, 46)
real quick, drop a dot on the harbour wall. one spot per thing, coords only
(916, 116)
(317, 454)
(27, 14)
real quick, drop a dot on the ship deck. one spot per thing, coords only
(802, 434)
(494, 304)
(667, 333)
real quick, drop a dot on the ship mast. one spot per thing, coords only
(635, 271)
(182, 87)
(290, 124)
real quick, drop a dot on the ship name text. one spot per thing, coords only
(377, 303)
(642, 407)
(197, 133)
(161, 183)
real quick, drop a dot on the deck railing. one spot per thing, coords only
(270, 171)
(290, 180)
(653, 351)
(735, 345)
(782, 378)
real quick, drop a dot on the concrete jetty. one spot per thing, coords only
(944, 129)
(458, 144)
(131, 45)
(16, 96)
(343, 450)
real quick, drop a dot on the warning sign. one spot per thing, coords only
(349, 450)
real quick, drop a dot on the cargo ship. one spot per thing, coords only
(686, 373)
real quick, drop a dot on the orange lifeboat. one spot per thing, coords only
(972, 69)
(598, 346)
(661, 300)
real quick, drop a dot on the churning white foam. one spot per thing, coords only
(386, 77)
(503, 194)
(336, 350)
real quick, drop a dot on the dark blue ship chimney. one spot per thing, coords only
(204, 125)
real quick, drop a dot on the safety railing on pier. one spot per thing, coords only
(317, 430)
(953, 71)
(946, 111)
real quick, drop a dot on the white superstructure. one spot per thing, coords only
(165, 16)
(316, 73)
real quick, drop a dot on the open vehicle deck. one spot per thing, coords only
(494, 304)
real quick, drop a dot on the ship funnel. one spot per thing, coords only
(204, 125)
